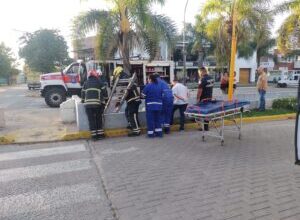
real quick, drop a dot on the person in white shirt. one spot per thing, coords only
(180, 93)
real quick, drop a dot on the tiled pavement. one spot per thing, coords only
(180, 177)
(176, 177)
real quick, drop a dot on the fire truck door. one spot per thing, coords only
(72, 77)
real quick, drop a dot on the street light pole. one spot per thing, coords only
(184, 48)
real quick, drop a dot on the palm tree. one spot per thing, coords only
(127, 26)
(289, 32)
(250, 14)
(201, 46)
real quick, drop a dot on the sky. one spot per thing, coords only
(19, 16)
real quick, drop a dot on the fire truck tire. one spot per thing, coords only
(54, 97)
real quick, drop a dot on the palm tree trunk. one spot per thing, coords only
(123, 38)
(257, 58)
(124, 49)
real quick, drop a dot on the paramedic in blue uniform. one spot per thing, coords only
(205, 89)
(167, 104)
(153, 101)
(94, 96)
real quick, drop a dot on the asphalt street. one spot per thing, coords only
(175, 177)
(19, 97)
(25, 110)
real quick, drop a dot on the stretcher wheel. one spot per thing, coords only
(222, 142)
(240, 136)
(203, 138)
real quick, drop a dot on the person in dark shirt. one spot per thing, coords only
(205, 90)
(205, 87)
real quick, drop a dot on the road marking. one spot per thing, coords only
(43, 170)
(41, 152)
(48, 199)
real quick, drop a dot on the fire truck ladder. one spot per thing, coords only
(119, 92)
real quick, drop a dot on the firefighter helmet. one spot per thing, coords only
(93, 73)
(118, 70)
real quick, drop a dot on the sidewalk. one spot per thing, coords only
(31, 128)
(181, 177)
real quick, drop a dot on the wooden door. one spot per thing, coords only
(244, 76)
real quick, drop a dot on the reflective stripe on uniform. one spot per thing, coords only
(92, 100)
(158, 130)
(135, 120)
(92, 103)
(150, 132)
(154, 103)
(100, 132)
(134, 98)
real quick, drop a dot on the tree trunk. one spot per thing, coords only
(125, 53)
(123, 44)
(200, 59)
(257, 58)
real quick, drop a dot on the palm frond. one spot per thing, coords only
(213, 7)
(287, 6)
(289, 34)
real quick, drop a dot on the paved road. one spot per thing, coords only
(18, 97)
(177, 177)
(26, 110)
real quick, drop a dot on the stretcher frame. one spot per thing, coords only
(213, 118)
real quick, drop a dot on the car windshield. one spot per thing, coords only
(66, 69)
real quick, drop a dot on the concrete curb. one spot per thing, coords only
(10, 139)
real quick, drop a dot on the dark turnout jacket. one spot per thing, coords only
(133, 94)
(94, 92)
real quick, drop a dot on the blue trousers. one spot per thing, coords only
(182, 109)
(167, 113)
(262, 100)
(154, 121)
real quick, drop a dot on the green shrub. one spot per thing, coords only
(285, 103)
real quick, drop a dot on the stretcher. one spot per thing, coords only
(214, 113)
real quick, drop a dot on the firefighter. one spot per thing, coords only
(153, 95)
(133, 101)
(167, 104)
(94, 96)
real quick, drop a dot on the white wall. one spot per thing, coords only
(246, 63)
(270, 64)
(164, 52)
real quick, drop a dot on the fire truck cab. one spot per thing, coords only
(56, 87)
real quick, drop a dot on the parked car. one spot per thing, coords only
(276, 75)
(33, 80)
(33, 85)
(290, 81)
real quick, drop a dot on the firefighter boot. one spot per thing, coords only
(100, 134)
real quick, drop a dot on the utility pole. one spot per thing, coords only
(233, 51)
(184, 48)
